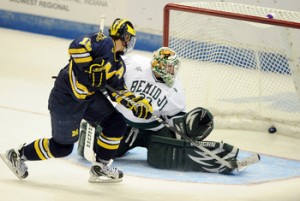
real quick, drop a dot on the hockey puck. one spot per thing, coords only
(270, 16)
(272, 129)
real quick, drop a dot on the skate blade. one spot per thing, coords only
(103, 179)
(7, 162)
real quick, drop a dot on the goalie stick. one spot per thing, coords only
(88, 152)
(101, 27)
(239, 165)
(89, 139)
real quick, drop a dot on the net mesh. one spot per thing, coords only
(246, 73)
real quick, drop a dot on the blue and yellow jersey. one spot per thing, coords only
(83, 51)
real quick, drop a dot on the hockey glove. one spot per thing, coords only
(142, 108)
(196, 124)
(199, 123)
(139, 106)
(97, 75)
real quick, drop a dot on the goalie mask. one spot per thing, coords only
(165, 63)
(124, 30)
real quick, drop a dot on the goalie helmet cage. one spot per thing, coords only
(239, 61)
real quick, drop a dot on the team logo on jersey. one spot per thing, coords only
(138, 68)
(100, 36)
(74, 133)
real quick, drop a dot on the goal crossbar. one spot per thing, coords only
(218, 13)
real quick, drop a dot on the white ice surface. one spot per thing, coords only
(27, 63)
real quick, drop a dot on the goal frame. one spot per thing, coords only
(177, 7)
(284, 126)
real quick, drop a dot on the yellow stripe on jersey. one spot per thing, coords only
(108, 143)
(79, 90)
(83, 60)
(77, 50)
(41, 147)
(80, 55)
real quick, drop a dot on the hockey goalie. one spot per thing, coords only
(155, 79)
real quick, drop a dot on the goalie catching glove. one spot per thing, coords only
(140, 107)
(196, 124)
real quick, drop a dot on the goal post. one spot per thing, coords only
(241, 62)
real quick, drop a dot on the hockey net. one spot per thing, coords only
(241, 62)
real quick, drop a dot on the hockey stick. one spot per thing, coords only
(232, 165)
(89, 153)
(101, 27)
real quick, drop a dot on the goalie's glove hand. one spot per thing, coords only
(96, 71)
(199, 123)
(142, 108)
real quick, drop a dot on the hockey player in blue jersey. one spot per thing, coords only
(95, 60)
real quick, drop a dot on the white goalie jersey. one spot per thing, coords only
(166, 101)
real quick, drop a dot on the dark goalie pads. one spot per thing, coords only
(168, 153)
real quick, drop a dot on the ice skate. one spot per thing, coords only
(104, 173)
(13, 159)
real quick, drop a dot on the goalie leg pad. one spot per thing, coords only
(167, 153)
